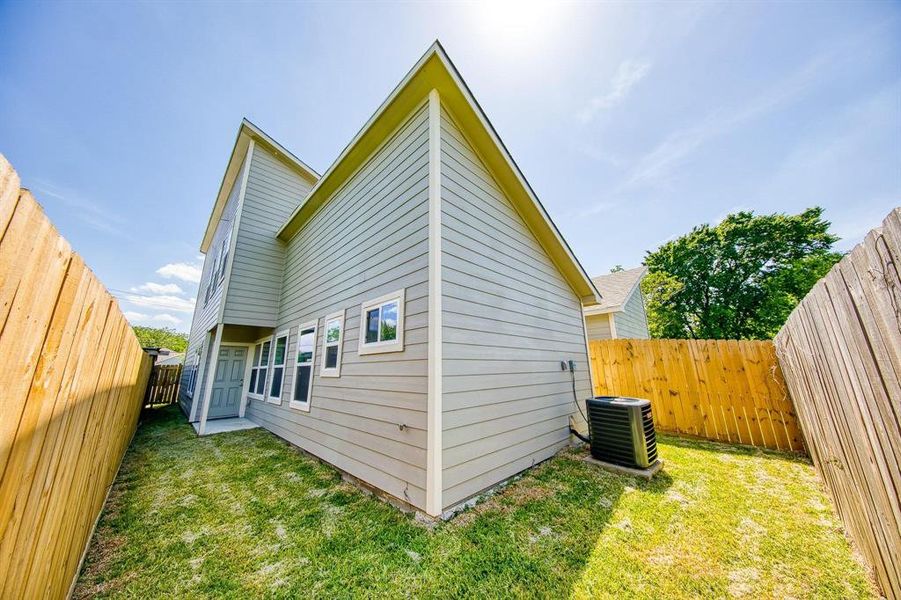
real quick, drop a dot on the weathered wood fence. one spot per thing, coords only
(725, 390)
(841, 353)
(163, 385)
(72, 378)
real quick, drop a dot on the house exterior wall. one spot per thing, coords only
(370, 238)
(598, 327)
(509, 318)
(206, 313)
(273, 191)
(632, 321)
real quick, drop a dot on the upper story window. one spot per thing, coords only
(279, 355)
(223, 256)
(303, 366)
(217, 272)
(192, 375)
(382, 324)
(332, 345)
(210, 281)
(259, 369)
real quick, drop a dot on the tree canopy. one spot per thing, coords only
(739, 279)
(161, 337)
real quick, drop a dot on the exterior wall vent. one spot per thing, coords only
(622, 431)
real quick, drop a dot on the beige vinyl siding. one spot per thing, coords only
(274, 190)
(598, 327)
(509, 319)
(206, 315)
(632, 321)
(369, 239)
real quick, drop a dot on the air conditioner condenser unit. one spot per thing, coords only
(622, 431)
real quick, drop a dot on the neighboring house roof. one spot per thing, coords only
(616, 289)
(435, 71)
(246, 132)
(172, 359)
(164, 356)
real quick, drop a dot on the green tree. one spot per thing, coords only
(161, 337)
(739, 279)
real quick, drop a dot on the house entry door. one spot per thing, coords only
(228, 382)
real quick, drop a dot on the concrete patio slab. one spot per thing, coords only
(225, 425)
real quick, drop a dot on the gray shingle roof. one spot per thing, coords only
(616, 288)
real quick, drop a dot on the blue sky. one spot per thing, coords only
(633, 122)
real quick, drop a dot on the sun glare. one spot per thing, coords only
(518, 24)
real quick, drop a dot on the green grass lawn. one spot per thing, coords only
(245, 514)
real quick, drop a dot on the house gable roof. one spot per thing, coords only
(435, 71)
(248, 131)
(616, 289)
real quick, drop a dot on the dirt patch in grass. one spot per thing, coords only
(103, 553)
(504, 501)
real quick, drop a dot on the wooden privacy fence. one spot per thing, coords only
(841, 353)
(163, 385)
(725, 390)
(72, 378)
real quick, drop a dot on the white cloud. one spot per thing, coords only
(730, 211)
(591, 210)
(166, 318)
(159, 288)
(627, 76)
(92, 214)
(665, 240)
(656, 165)
(139, 318)
(161, 301)
(184, 271)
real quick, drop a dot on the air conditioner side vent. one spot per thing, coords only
(622, 431)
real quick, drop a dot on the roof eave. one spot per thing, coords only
(602, 310)
(261, 136)
(366, 140)
(566, 261)
(248, 131)
(435, 71)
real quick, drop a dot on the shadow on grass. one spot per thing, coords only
(245, 514)
(532, 538)
(169, 415)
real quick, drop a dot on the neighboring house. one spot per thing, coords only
(621, 312)
(165, 356)
(171, 359)
(407, 315)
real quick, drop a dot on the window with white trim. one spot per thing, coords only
(303, 366)
(217, 273)
(332, 345)
(259, 368)
(382, 324)
(223, 256)
(209, 282)
(192, 375)
(279, 355)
